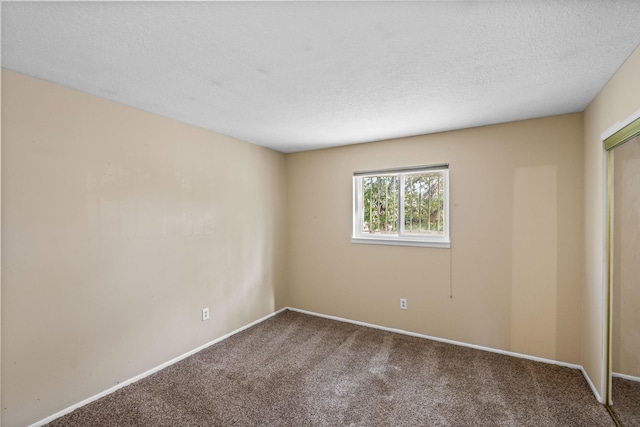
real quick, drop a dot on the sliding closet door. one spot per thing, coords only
(625, 283)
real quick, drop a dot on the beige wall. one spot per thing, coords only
(626, 268)
(616, 101)
(118, 227)
(516, 222)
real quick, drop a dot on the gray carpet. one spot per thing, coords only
(626, 401)
(300, 370)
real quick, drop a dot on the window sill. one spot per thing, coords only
(401, 242)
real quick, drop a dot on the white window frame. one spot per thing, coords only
(402, 238)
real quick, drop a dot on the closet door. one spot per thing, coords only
(625, 282)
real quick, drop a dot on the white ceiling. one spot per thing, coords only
(303, 75)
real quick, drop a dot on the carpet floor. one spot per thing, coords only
(299, 370)
(626, 401)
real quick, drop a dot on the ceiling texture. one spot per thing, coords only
(297, 76)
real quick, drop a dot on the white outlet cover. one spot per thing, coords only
(205, 313)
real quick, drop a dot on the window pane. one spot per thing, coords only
(424, 203)
(380, 204)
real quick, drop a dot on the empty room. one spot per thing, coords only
(320, 213)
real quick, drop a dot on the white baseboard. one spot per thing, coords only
(625, 377)
(149, 372)
(340, 319)
(591, 386)
(443, 340)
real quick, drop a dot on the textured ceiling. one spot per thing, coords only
(303, 75)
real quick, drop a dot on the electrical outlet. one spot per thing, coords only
(403, 303)
(205, 314)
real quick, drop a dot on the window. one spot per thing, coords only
(402, 206)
